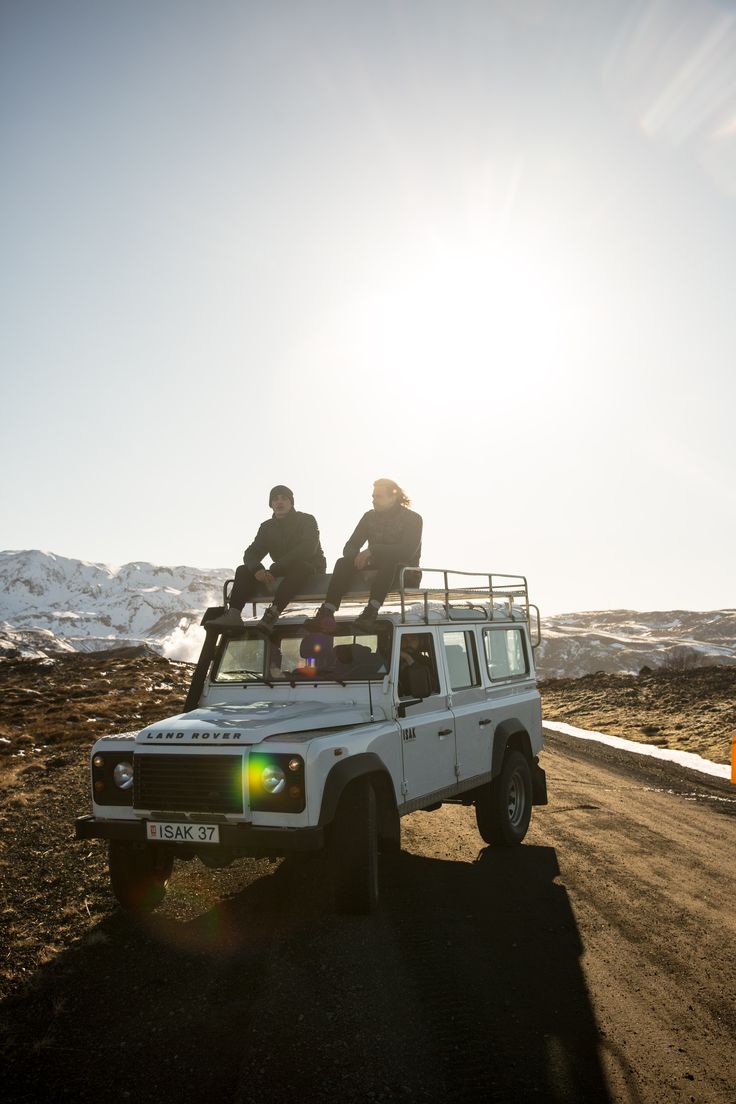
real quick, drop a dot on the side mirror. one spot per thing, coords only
(418, 684)
(404, 705)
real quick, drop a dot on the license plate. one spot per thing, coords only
(172, 831)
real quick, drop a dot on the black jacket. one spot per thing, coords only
(394, 537)
(288, 540)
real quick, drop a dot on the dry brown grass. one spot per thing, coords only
(693, 710)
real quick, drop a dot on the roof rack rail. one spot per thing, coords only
(495, 588)
(481, 591)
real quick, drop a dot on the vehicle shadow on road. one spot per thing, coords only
(494, 952)
(466, 985)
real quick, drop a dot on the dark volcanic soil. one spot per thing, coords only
(687, 710)
(75, 697)
(51, 711)
(596, 963)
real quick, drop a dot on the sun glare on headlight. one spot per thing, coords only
(273, 780)
(276, 781)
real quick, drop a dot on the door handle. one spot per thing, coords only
(445, 732)
(485, 721)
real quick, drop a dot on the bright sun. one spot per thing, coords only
(464, 311)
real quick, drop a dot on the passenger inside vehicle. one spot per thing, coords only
(321, 656)
(319, 652)
(416, 648)
(357, 661)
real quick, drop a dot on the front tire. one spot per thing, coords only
(389, 829)
(503, 808)
(355, 850)
(138, 874)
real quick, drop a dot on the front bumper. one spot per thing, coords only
(240, 839)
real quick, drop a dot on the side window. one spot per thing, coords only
(461, 661)
(416, 648)
(505, 653)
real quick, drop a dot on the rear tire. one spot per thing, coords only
(355, 850)
(503, 808)
(138, 874)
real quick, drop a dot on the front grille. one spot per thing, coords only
(189, 783)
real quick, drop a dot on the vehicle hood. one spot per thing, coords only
(254, 722)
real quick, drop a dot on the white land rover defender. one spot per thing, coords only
(305, 741)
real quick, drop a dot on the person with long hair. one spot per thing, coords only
(393, 534)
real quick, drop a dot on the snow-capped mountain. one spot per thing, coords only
(50, 603)
(624, 641)
(92, 605)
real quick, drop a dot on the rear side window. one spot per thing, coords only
(461, 663)
(505, 653)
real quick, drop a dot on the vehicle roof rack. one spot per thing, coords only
(482, 592)
(453, 594)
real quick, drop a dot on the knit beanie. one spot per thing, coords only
(282, 490)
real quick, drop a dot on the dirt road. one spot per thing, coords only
(595, 963)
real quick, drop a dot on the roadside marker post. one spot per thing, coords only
(733, 760)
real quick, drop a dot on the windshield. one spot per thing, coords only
(293, 656)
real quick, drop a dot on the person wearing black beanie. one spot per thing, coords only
(280, 491)
(291, 539)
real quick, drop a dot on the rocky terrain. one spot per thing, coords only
(51, 604)
(47, 706)
(692, 710)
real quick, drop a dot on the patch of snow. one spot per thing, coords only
(685, 758)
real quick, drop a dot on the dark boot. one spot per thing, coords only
(367, 621)
(267, 622)
(322, 622)
(232, 620)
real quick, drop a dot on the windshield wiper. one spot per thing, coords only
(254, 674)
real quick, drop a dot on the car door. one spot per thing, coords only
(467, 702)
(427, 730)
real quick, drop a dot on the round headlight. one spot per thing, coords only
(273, 780)
(123, 775)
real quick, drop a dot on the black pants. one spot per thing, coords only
(345, 577)
(246, 585)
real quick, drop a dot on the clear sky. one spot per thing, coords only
(487, 249)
